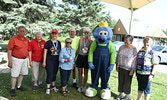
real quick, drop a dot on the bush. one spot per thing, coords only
(4, 47)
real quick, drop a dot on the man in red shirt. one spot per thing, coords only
(17, 59)
(36, 48)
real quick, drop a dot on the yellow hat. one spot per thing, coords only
(103, 24)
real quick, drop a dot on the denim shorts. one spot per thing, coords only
(144, 85)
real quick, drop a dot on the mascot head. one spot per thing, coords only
(102, 33)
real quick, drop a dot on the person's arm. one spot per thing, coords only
(44, 57)
(30, 58)
(112, 53)
(78, 48)
(91, 50)
(10, 58)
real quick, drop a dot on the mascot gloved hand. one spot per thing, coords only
(101, 60)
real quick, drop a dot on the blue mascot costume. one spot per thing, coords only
(101, 60)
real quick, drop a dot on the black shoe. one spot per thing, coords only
(22, 88)
(75, 85)
(12, 92)
(34, 88)
(40, 86)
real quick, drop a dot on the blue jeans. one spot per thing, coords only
(144, 85)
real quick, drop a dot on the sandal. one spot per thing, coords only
(67, 91)
(64, 93)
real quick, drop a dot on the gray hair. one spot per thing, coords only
(68, 39)
(148, 40)
(38, 32)
(130, 37)
(86, 28)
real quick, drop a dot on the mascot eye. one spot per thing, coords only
(100, 33)
(106, 33)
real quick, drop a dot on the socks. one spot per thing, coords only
(35, 85)
(39, 83)
(74, 80)
(18, 86)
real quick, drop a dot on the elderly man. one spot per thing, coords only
(36, 49)
(17, 59)
(75, 42)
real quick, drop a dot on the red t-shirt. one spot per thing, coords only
(18, 46)
(37, 48)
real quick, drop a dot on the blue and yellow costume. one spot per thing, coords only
(101, 60)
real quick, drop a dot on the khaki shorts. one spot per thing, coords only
(19, 66)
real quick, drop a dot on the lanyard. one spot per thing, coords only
(55, 47)
(69, 53)
(84, 44)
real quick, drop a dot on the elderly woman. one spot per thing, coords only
(51, 60)
(66, 59)
(82, 59)
(36, 48)
(125, 66)
(145, 69)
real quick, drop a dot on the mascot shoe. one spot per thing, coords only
(91, 92)
(105, 94)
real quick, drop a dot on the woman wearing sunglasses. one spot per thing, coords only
(66, 60)
(82, 59)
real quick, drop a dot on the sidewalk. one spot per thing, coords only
(4, 63)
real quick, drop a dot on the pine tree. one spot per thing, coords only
(80, 14)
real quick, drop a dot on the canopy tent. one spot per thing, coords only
(129, 4)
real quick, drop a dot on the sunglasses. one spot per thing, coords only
(86, 32)
(68, 42)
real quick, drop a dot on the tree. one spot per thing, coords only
(34, 14)
(80, 14)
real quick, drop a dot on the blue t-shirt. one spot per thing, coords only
(53, 51)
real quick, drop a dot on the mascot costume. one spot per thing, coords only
(101, 60)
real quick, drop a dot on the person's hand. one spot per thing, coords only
(43, 64)
(110, 68)
(10, 64)
(150, 77)
(86, 48)
(30, 63)
(131, 73)
(91, 66)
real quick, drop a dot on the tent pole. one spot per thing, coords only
(130, 24)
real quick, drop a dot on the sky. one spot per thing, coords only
(150, 16)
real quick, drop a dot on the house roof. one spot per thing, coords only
(157, 33)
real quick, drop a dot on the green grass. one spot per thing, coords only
(158, 89)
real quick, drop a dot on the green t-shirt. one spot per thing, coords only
(75, 42)
(110, 47)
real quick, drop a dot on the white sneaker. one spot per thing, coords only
(84, 89)
(79, 90)
(55, 89)
(48, 91)
(119, 97)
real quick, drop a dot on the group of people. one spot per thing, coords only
(50, 56)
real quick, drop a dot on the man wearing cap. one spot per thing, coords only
(17, 59)
(36, 48)
(51, 60)
(74, 45)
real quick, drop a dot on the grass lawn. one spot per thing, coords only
(158, 89)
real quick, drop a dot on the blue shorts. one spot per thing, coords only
(144, 85)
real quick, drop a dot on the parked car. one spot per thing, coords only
(161, 53)
(117, 44)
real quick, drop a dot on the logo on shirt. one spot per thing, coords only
(54, 52)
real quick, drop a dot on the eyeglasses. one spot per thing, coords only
(68, 42)
(86, 32)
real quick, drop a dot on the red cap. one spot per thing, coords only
(55, 31)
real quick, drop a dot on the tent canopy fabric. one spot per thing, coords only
(126, 3)
(157, 33)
